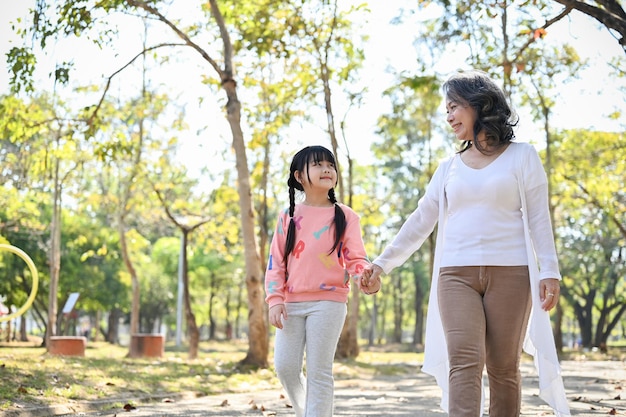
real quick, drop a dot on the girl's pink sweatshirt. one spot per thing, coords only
(313, 273)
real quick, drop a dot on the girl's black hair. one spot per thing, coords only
(300, 163)
(493, 113)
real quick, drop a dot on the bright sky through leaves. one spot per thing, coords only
(583, 103)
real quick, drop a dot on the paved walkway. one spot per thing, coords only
(594, 388)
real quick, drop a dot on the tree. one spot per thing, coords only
(78, 18)
(49, 129)
(23, 213)
(589, 169)
(186, 227)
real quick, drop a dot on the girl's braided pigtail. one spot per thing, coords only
(340, 219)
(291, 229)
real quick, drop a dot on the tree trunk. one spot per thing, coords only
(584, 315)
(418, 331)
(212, 325)
(112, 333)
(258, 348)
(8, 328)
(135, 303)
(96, 334)
(229, 324)
(398, 311)
(23, 332)
(55, 256)
(258, 342)
(373, 317)
(558, 328)
(192, 327)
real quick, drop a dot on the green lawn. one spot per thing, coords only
(28, 375)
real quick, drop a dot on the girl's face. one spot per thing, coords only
(321, 175)
(461, 117)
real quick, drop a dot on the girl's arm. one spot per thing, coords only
(275, 274)
(354, 253)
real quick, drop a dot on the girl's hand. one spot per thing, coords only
(370, 279)
(373, 286)
(276, 314)
(549, 291)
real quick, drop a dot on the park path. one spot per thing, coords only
(594, 388)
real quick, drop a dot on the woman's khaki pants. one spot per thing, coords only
(484, 310)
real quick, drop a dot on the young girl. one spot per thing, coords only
(317, 246)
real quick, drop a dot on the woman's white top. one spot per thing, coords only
(485, 225)
(497, 215)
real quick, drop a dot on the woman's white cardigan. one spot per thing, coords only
(539, 341)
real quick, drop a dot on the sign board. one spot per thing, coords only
(70, 303)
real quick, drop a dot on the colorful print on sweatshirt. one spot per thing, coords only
(314, 273)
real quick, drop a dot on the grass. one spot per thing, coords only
(29, 376)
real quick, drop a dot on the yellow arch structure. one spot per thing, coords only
(33, 271)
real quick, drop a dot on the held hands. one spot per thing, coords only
(370, 279)
(276, 314)
(549, 290)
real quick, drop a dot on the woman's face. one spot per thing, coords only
(461, 117)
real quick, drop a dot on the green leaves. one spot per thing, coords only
(22, 62)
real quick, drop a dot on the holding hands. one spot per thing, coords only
(370, 279)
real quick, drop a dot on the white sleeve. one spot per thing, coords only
(536, 189)
(417, 227)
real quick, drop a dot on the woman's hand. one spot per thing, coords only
(549, 291)
(370, 279)
(276, 314)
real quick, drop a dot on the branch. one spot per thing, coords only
(151, 10)
(612, 17)
(110, 78)
(227, 74)
(170, 216)
(548, 23)
(167, 209)
(613, 7)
